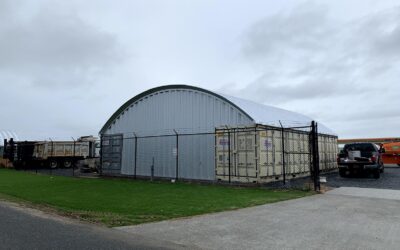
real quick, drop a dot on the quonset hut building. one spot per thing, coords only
(181, 131)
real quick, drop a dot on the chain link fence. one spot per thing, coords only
(257, 154)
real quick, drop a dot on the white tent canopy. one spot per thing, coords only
(6, 134)
(269, 115)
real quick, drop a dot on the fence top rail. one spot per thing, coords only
(226, 129)
(302, 127)
(215, 133)
(169, 135)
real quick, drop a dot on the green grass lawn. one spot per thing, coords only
(116, 202)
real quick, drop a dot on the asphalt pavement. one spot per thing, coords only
(390, 179)
(344, 218)
(25, 228)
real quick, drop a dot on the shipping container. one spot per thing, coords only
(263, 154)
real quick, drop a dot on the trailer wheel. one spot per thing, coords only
(53, 164)
(67, 163)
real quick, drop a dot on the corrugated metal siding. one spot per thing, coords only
(197, 157)
(162, 112)
(159, 148)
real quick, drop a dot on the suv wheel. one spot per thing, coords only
(377, 174)
(342, 172)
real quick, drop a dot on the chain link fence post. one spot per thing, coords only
(229, 155)
(283, 153)
(73, 159)
(101, 156)
(135, 156)
(315, 156)
(152, 170)
(176, 156)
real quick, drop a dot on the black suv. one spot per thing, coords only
(360, 158)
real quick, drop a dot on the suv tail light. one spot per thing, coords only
(373, 159)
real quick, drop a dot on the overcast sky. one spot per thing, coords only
(66, 66)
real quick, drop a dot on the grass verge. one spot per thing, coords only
(119, 202)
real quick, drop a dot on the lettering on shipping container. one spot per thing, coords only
(223, 142)
(267, 143)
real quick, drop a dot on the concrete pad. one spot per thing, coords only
(367, 192)
(329, 221)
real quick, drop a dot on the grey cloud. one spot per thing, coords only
(375, 113)
(281, 92)
(302, 29)
(304, 53)
(54, 47)
(382, 32)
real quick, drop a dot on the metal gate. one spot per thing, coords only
(291, 151)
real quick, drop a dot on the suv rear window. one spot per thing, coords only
(366, 148)
(363, 147)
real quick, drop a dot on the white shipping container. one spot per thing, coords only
(255, 154)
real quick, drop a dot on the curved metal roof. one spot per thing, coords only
(6, 134)
(153, 90)
(259, 113)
